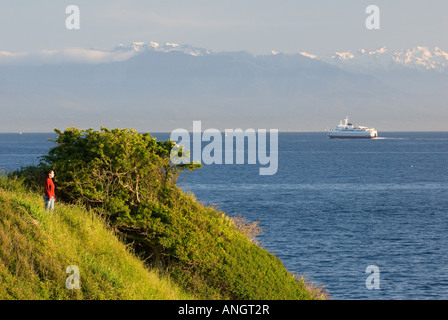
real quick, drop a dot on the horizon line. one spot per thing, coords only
(202, 131)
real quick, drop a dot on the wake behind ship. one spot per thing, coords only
(347, 130)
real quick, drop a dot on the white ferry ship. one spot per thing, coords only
(347, 130)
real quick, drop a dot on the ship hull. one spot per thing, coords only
(350, 137)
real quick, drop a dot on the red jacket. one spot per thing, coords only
(49, 188)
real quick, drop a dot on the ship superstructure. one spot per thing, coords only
(346, 130)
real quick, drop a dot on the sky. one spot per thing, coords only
(35, 31)
(257, 26)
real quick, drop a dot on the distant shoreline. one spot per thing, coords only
(280, 131)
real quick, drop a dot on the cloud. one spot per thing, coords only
(69, 55)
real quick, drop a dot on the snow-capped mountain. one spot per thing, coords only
(162, 86)
(140, 46)
(420, 58)
(365, 61)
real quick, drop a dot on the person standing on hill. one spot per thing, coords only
(49, 192)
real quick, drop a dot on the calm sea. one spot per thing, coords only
(333, 208)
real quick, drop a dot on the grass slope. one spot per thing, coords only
(209, 256)
(213, 257)
(37, 247)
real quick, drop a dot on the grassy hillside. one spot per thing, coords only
(199, 251)
(37, 247)
(212, 255)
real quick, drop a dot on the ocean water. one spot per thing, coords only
(333, 208)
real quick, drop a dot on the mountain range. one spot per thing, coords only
(160, 87)
(420, 58)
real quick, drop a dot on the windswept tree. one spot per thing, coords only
(116, 170)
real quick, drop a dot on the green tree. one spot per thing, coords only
(115, 170)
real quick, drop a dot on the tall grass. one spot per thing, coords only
(36, 247)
